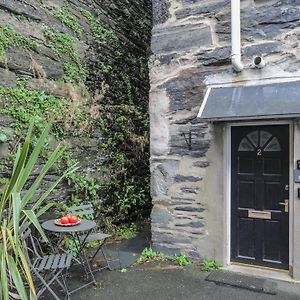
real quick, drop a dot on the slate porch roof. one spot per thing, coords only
(276, 100)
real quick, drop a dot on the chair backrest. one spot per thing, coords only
(29, 244)
(82, 210)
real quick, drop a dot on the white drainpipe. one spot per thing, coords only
(236, 35)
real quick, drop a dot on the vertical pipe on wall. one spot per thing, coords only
(236, 35)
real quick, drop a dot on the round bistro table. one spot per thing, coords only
(85, 225)
(74, 230)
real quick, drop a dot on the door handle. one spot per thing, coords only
(285, 204)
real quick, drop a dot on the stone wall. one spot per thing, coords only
(90, 54)
(191, 50)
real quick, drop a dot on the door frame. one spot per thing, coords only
(227, 183)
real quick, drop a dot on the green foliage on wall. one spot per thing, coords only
(84, 189)
(66, 17)
(100, 33)
(124, 123)
(123, 189)
(63, 45)
(10, 38)
(24, 105)
(125, 128)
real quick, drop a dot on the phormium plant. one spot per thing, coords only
(21, 207)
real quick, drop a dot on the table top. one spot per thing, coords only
(83, 226)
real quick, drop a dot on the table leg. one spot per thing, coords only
(82, 260)
(83, 256)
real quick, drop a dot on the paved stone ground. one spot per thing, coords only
(169, 283)
(165, 281)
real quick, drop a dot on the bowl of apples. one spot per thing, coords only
(67, 220)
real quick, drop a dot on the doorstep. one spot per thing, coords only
(274, 280)
(257, 271)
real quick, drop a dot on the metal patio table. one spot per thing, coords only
(85, 226)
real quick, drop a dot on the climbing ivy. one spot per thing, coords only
(124, 124)
(125, 129)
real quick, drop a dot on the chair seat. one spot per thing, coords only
(53, 262)
(97, 236)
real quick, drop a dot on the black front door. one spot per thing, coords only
(260, 195)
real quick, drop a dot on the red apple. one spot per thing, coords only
(73, 219)
(68, 216)
(64, 220)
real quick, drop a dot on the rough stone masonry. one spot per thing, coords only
(128, 21)
(191, 49)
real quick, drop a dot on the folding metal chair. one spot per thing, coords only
(88, 211)
(47, 269)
